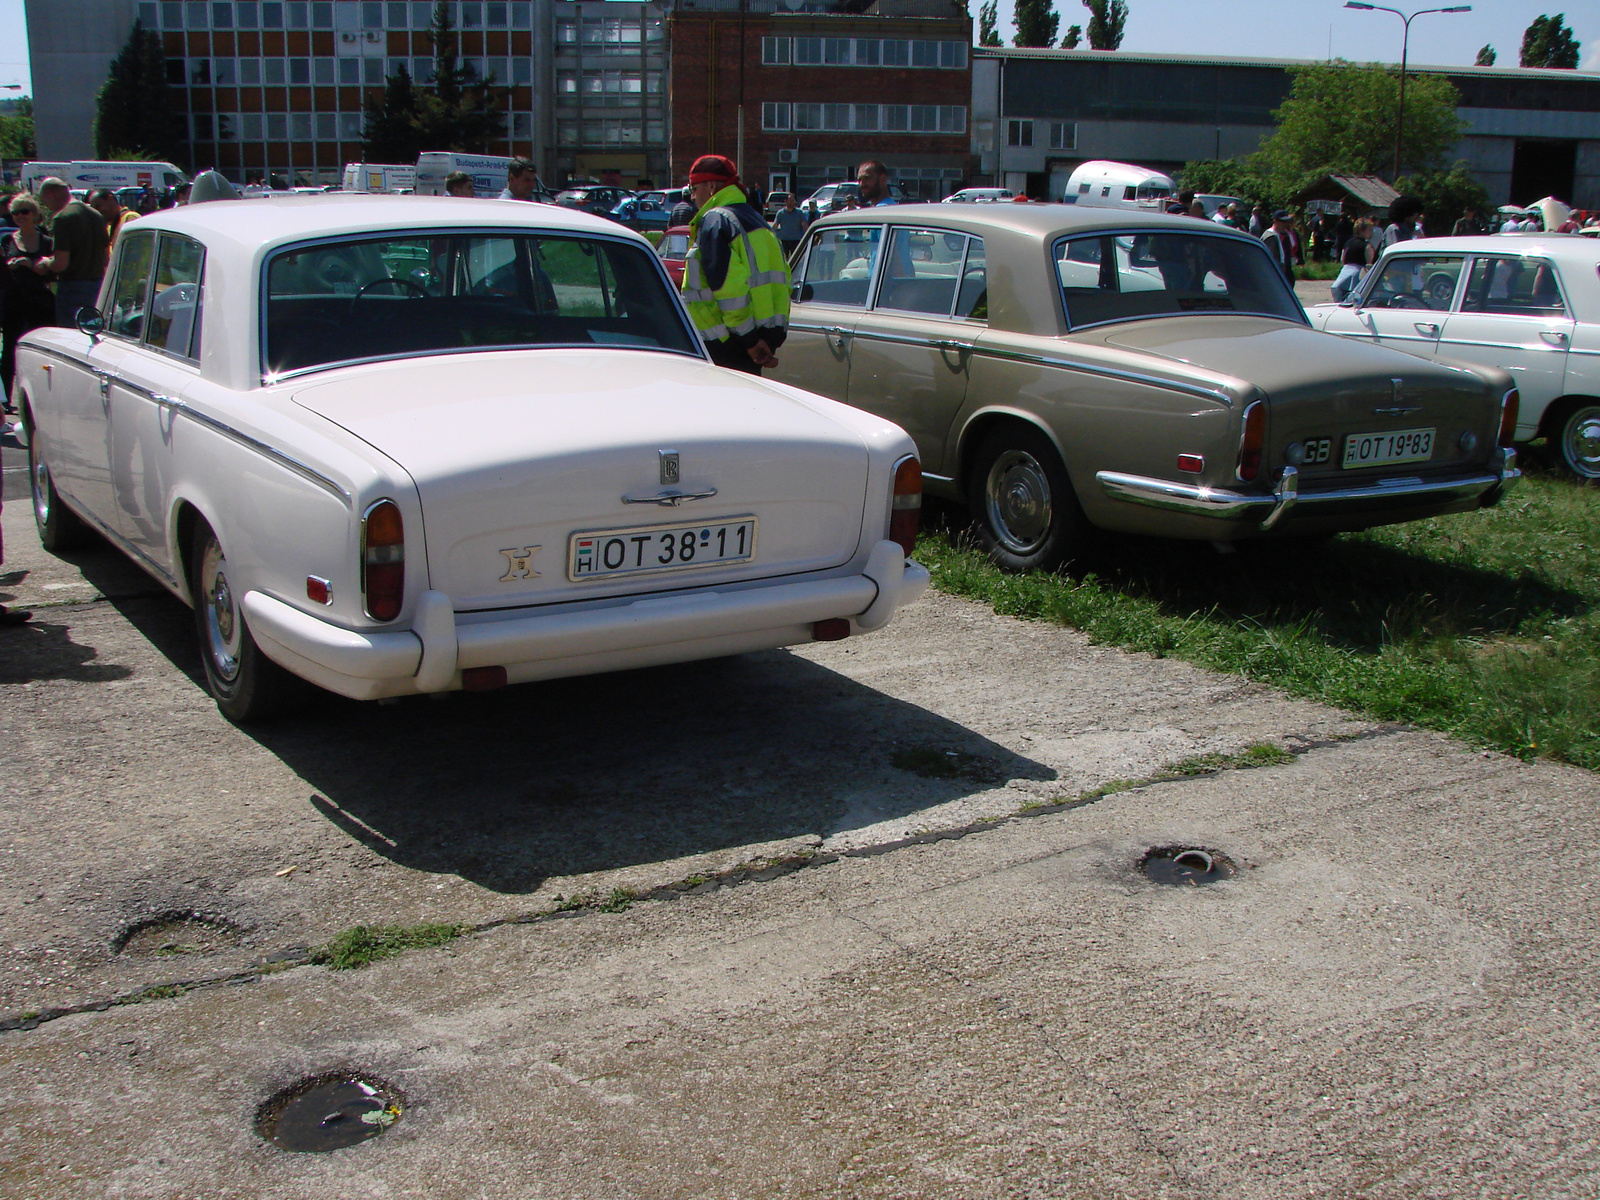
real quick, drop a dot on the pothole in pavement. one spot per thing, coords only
(177, 934)
(329, 1112)
(1186, 866)
(931, 762)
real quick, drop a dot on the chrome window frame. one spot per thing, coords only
(889, 230)
(195, 329)
(1535, 259)
(110, 296)
(1218, 233)
(268, 379)
(1369, 283)
(813, 236)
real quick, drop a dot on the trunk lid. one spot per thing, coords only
(518, 450)
(1322, 391)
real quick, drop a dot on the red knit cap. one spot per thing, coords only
(713, 168)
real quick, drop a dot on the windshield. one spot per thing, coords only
(1130, 276)
(398, 295)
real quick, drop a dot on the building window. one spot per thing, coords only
(399, 14)
(924, 53)
(655, 132)
(277, 127)
(327, 127)
(421, 69)
(321, 14)
(471, 14)
(952, 118)
(494, 15)
(223, 72)
(522, 71)
(866, 117)
(372, 71)
(567, 32)
(272, 72)
(652, 82)
(775, 116)
(200, 70)
(172, 15)
(194, 16)
(1019, 133)
(522, 126)
(521, 14)
(222, 14)
(323, 71)
(896, 118)
(250, 127)
(566, 84)
(566, 133)
(1063, 135)
(300, 70)
(300, 127)
(897, 53)
(953, 54)
(775, 51)
(349, 71)
(807, 116)
(422, 14)
(808, 51)
(250, 72)
(836, 52)
(202, 127)
(349, 127)
(867, 52)
(500, 68)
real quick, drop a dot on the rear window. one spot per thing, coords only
(401, 295)
(1130, 276)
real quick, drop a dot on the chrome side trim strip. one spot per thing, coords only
(1219, 502)
(1048, 360)
(132, 551)
(310, 474)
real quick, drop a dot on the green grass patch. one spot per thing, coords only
(1317, 270)
(1263, 754)
(1481, 625)
(355, 948)
(930, 762)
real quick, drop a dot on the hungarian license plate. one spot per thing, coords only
(1397, 446)
(651, 549)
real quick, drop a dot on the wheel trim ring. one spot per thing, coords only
(1580, 442)
(1018, 502)
(223, 626)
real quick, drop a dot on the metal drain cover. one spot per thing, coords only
(1186, 866)
(328, 1112)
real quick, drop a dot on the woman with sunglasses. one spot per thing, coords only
(29, 301)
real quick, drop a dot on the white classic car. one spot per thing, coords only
(404, 445)
(1528, 304)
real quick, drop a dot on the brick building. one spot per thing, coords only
(821, 89)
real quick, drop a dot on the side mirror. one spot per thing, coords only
(90, 321)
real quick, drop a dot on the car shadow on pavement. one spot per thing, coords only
(508, 788)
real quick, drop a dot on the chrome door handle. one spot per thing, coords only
(1554, 336)
(1426, 328)
(670, 498)
(105, 382)
(836, 334)
(950, 344)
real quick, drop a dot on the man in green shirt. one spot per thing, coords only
(79, 264)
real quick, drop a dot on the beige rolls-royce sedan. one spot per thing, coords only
(1062, 367)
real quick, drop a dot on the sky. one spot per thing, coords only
(1264, 28)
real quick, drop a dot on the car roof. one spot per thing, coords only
(1041, 220)
(1560, 246)
(283, 218)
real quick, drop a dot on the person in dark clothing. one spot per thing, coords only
(1468, 225)
(79, 262)
(1280, 240)
(29, 303)
(682, 212)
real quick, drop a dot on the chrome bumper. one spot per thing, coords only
(674, 627)
(1200, 500)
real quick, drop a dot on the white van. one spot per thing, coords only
(85, 176)
(379, 177)
(488, 172)
(1102, 184)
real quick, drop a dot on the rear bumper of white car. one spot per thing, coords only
(431, 656)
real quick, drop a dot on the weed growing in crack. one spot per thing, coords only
(355, 948)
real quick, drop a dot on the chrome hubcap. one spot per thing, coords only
(40, 478)
(1017, 497)
(224, 631)
(1581, 442)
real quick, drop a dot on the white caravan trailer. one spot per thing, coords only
(1101, 184)
(85, 176)
(379, 177)
(488, 172)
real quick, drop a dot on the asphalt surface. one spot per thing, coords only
(876, 927)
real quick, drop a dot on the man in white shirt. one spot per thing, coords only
(522, 181)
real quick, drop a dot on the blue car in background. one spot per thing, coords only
(643, 213)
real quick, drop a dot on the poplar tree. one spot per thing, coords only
(988, 18)
(1106, 21)
(1549, 43)
(1036, 22)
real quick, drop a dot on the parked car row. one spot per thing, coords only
(403, 455)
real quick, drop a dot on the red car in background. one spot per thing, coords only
(674, 249)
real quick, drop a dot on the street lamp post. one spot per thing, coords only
(1405, 44)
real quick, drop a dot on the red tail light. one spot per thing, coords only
(383, 561)
(1255, 435)
(906, 513)
(1509, 404)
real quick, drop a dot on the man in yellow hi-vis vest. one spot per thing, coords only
(735, 280)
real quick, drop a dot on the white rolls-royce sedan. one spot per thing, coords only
(397, 445)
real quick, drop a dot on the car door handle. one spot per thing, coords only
(1426, 328)
(951, 344)
(1554, 336)
(836, 334)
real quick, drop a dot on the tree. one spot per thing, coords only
(1341, 117)
(1036, 22)
(1486, 57)
(1074, 36)
(134, 111)
(1106, 20)
(16, 130)
(1228, 177)
(1445, 195)
(988, 16)
(1549, 43)
(459, 111)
